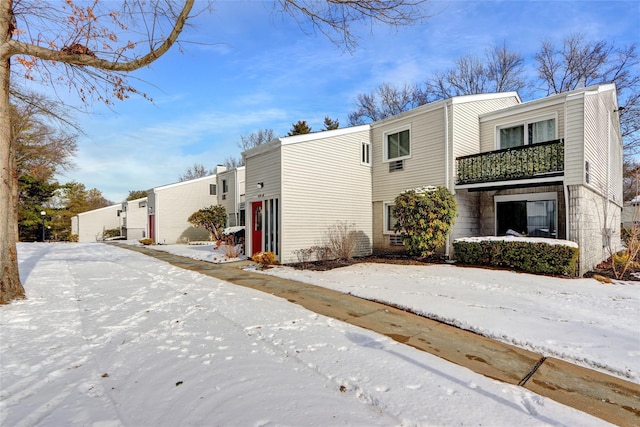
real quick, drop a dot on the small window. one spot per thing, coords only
(365, 153)
(397, 145)
(212, 189)
(142, 204)
(389, 219)
(225, 186)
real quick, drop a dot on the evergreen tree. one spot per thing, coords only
(299, 128)
(330, 124)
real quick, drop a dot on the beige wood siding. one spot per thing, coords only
(324, 182)
(574, 142)
(93, 223)
(519, 114)
(174, 204)
(427, 163)
(264, 168)
(466, 126)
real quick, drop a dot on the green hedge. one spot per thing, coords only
(528, 256)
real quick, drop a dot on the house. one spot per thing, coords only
(134, 219)
(418, 148)
(297, 187)
(631, 213)
(170, 206)
(89, 226)
(231, 189)
(546, 168)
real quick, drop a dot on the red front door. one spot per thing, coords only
(152, 234)
(256, 231)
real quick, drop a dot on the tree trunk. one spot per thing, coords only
(10, 286)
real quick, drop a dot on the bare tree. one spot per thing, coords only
(84, 41)
(40, 37)
(256, 138)
(501, 70)
(579, 62)
(334, 18)
(247, 142)
(385, 101)
(196, 171)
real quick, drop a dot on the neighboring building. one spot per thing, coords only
(90, 225)
(418, 148)
(297, 187)
(231, 189)
(545, 168)
(170, 206)
(134, 219)
(631, 213)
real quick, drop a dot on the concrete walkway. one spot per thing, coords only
(604, 396)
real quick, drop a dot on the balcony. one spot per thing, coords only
(541, 160)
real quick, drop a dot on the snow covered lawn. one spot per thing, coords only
(110, 337)
(579, 320)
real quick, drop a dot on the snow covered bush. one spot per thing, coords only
(531, 255)
(424, 218)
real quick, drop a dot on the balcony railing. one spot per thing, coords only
(525, 162)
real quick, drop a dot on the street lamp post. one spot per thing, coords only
(43, 214)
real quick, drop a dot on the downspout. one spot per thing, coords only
(447, 252)
(564, 178)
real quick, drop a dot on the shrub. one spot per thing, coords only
(424, 218)
(533, 256)
(112, 232)
(73, 238)
(265, 259)
(230, 249)
(211, 219)
(341, 240)
(146, 241)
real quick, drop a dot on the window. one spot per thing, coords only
(533, 215)
(212, 189)
(397, 145)
(225, 186)
(142, 204)
(365, 153)
(532, 132)
(389, 219)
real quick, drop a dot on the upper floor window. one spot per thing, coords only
(225, 186)
(212, 189)
(397, 145)
(530, 132)
(142, 204)
(365, 153)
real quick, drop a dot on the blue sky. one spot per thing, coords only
(246, 67)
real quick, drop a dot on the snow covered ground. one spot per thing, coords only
(109, 337)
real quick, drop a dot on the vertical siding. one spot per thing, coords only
(323, 182)
(173, 206)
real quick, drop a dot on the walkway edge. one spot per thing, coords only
(609, 398)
